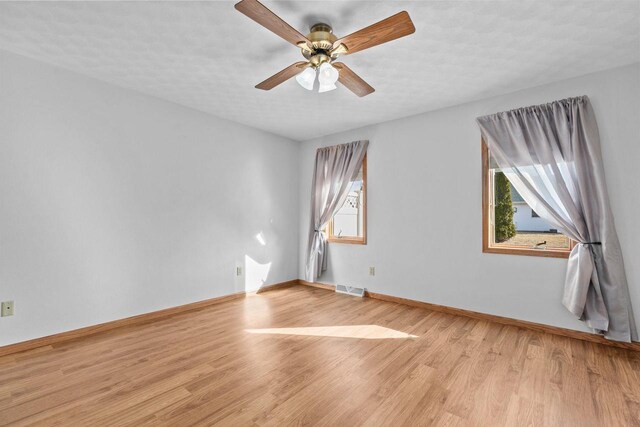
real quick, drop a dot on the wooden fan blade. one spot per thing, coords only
(263, 16)
(282, 76)
(352, 81)
(394, 27)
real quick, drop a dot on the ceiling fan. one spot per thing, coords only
(321, 48)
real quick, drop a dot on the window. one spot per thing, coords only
(509, 225)
(349, 225)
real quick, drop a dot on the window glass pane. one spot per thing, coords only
(513, 221)
(348, 221)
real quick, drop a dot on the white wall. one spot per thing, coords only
(113, 203)
(430, 164)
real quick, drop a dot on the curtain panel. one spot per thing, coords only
(551, 155)
(335, 168)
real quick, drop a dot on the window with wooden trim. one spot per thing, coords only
(349, 224)
(509, 225)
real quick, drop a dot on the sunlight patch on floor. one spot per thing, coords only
(370, 332)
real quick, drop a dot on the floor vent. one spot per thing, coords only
(350, 290)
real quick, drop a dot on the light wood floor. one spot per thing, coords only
(309, 356)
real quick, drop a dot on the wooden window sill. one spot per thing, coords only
(516, 250)
(348, 241)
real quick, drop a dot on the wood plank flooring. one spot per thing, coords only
(304, 356)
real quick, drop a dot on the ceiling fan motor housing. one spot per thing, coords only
(322, 39)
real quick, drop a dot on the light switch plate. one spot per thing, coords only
(7, 308)
(372, 271)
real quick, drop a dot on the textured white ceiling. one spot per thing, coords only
(208, 56)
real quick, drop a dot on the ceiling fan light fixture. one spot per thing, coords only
(326, 87)
(327, 76)
(307, 78)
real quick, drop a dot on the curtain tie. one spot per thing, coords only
(591, 243)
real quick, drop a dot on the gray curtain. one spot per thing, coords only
(336, 167)
(551, 155)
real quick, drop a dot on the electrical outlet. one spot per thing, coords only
(238, 271)
(372, 271)
(7, 308)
